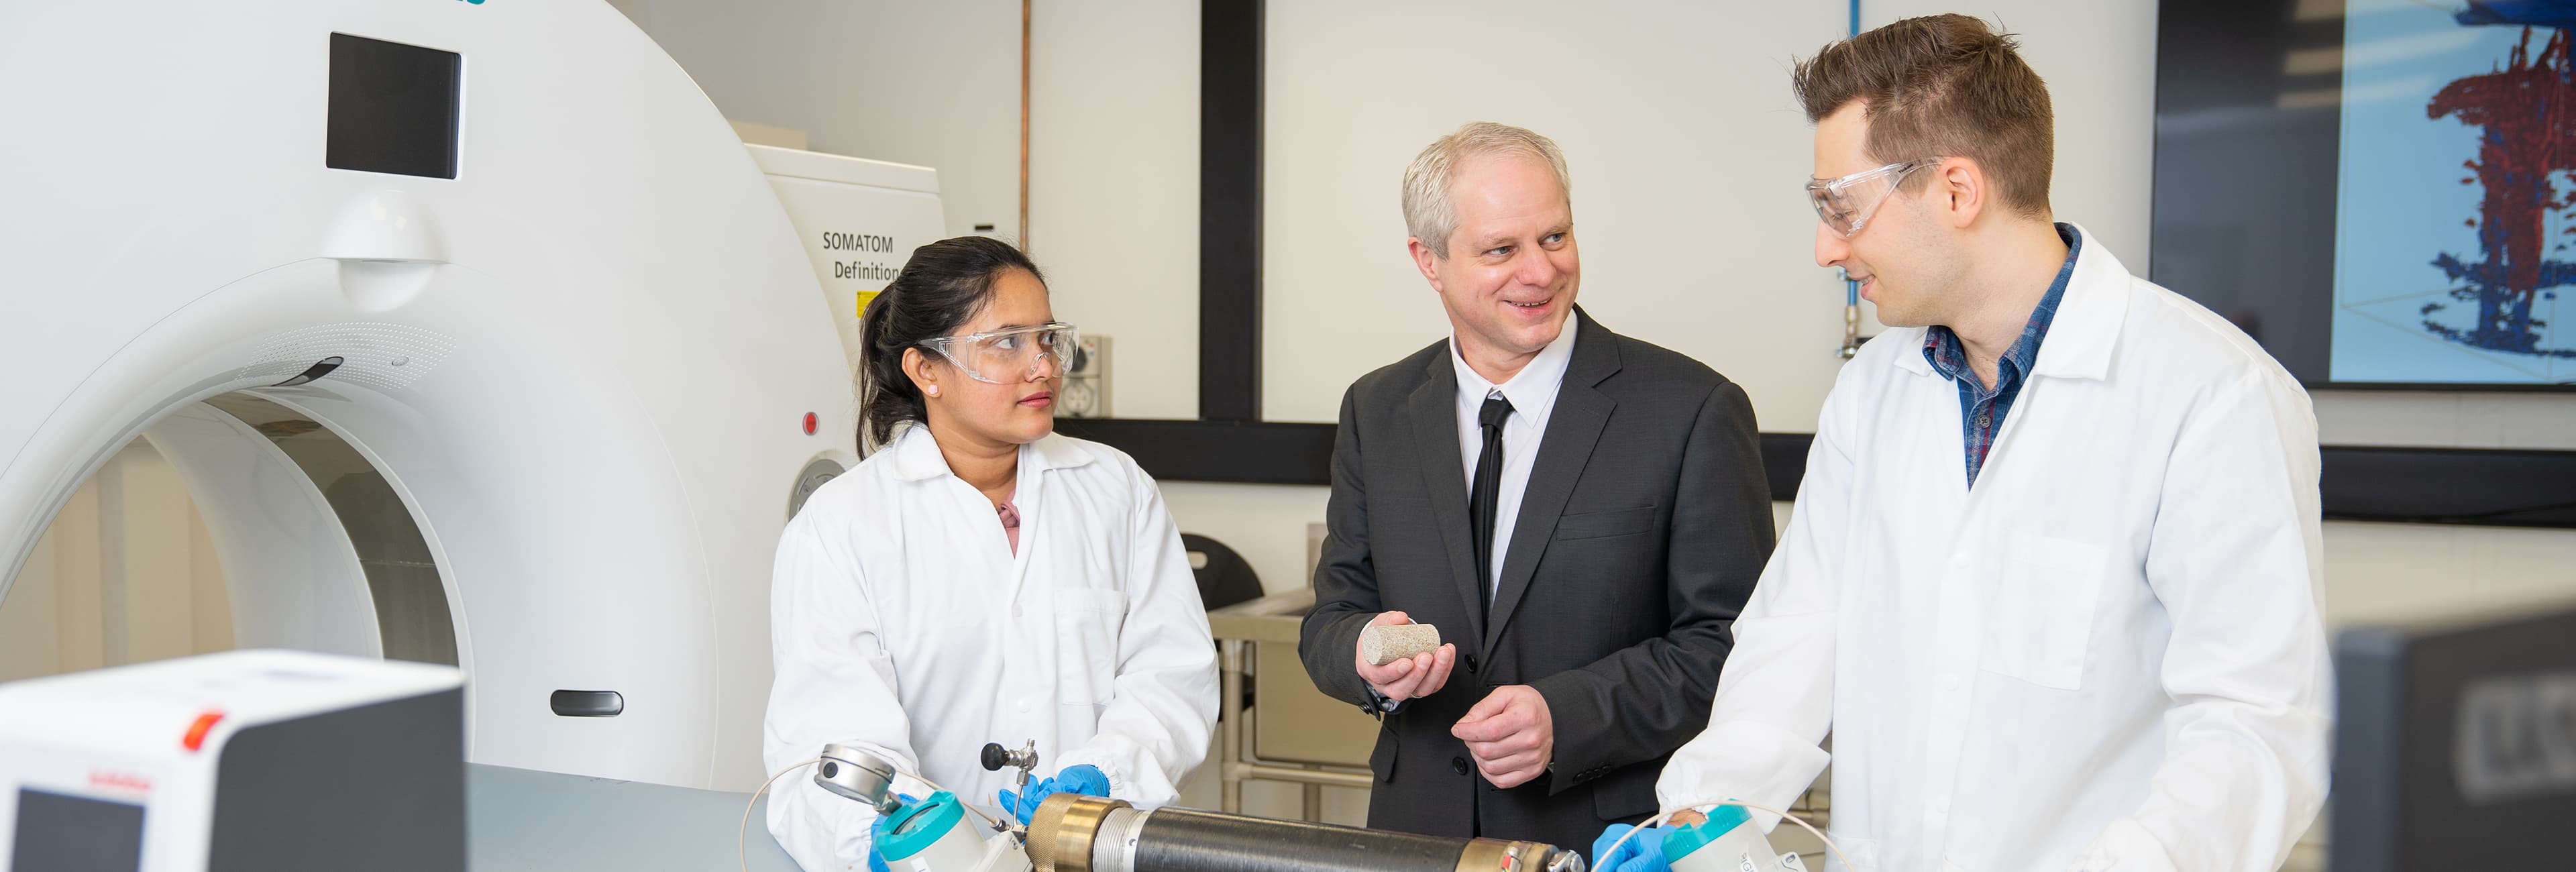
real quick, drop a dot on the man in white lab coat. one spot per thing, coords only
(2051, 581)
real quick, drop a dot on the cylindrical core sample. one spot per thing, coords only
(1387, 643)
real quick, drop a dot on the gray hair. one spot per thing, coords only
(1429, 213)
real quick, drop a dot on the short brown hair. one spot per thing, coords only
(1943, 85)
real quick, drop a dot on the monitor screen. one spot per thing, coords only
(2378, 192)
(63, 833)
(393, 108)
(2455, 743)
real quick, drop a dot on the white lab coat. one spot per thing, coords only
(2105, 655)
(902, 623)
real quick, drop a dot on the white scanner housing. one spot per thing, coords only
(542, 419)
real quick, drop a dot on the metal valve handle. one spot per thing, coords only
(995, 757)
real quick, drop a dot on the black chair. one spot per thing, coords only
(1224, 578)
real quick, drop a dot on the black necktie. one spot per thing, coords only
(1481, 501)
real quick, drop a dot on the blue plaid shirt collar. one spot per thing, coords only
(1982, 410)
(1949, 356)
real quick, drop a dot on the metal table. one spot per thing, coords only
(1289, 731)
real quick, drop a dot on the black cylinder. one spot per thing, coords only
(1181, 840)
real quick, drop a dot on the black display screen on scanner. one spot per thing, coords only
(63, 833)
(393, 108)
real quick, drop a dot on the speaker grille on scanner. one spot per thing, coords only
(385, 357)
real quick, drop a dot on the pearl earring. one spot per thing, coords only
(934, 390)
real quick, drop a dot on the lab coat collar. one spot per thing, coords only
(917, 457)
(2087, 324)
(1054, 451)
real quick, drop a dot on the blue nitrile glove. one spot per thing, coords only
(1081, 780)
(877, 833)
(1645, 853)
(1038, 791)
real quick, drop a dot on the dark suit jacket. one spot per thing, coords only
(1646, 522)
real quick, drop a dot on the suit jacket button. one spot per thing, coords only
(1471, 662)
(1458, 763)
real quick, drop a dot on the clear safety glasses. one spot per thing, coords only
(1008, 356)
(1846, 203)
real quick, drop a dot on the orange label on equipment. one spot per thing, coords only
(196, 737)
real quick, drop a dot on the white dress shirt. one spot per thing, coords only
(903, 622)
(1532, 393)
(2106, 654)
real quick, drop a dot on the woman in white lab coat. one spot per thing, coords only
(979, 578)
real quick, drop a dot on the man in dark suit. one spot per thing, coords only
(1580, 513)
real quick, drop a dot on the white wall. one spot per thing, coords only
(1686, 150)
(1114, 188)
(861, 79)
(1113, 143)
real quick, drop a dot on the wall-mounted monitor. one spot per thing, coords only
(2381, 192)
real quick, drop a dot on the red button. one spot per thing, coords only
(809, 423)
(196, 737)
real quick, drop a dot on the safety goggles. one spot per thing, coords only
(1009, 356)
(1846, 203)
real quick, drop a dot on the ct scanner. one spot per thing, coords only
(471, 327)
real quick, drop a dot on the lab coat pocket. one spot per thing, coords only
(1086, 626)
(2041, 624)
